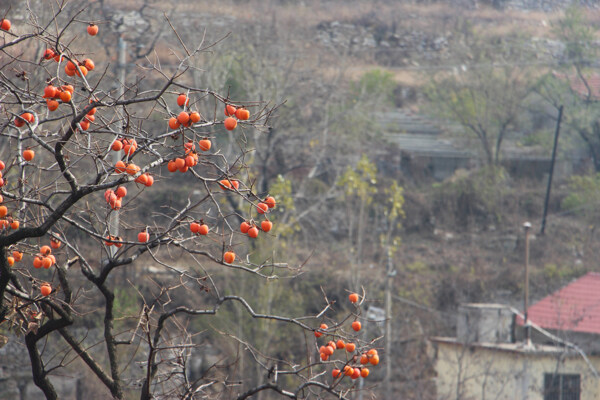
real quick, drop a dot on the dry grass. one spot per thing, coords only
(296, 24)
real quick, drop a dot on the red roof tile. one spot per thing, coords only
(575, 307)
(586, 87)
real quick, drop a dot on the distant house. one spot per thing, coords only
(572, 313)
(426, 151)
(490, 358)
(587, 86)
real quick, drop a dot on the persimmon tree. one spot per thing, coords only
(105, 189)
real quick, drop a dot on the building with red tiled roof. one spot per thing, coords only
(490, 357)
(587, 87)
(574, 308)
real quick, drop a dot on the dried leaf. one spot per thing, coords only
(32, 327)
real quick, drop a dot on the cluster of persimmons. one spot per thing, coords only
(356, 365)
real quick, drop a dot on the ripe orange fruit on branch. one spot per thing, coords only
(364, 359)
(190, 161)
(55, 243)
(46, 262)
(229, 257)
(117, 145)
(14, 225)
(143, 236)
(38, 261)
(225, 184)
(353, 297)
(266, 226)
(173, 123)
(120, 167)
(183, 117)
(149, 180)
(142, 179)
(65, 96)
(195, 117)
(46, 289)
(262, 208)
(348, 371)
(129, 146)
(5, 24)
(355, 373)
(336, 373)
(270, 202)
(189, 147)
(183, 100)
(18, 256)
(195, 227)
(356, 326)
(230, 123)
(340, 344)
(3, 211)
(244, 227)
(253, 232)
(203, 229)
(83, 70)
(132, 169)
(374, 360)
(322, 327)
(89, 64)
(204, 144)
(70, 65)
(49, 54)
(350, 347)
(179, 163)
(45, 250)
(50, 92)
(52, 105)
(364, 372)
(28, 154)
(92, 29)
(20, 121)
(121, 191)
(229, 110)
(109, 195)
(242, 114)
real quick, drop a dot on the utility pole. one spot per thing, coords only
(113, 222)
(388, 324)
(527, 227)
(547, 199)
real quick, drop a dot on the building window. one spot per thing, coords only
(562, 386)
